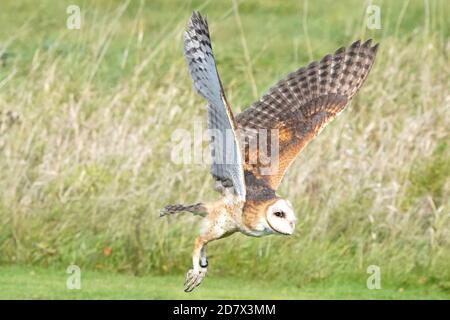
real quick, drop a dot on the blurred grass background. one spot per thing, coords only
(86, 119)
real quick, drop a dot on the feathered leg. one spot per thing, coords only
(218, 224)
(199, 264)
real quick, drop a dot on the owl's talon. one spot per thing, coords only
(193, 279)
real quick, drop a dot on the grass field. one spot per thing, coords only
(37, 283)
(86, 124)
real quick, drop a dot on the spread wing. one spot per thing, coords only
(226, 164)
(298, 107)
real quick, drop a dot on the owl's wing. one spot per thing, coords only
(300, 106)
(227, 165)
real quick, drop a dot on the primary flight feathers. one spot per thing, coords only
(227, 164)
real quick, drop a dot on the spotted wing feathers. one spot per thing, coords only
(303, 103)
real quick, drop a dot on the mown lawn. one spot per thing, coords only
(18, 282)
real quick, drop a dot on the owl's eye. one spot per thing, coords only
(279, 214)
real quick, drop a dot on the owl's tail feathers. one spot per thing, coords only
(196, 209)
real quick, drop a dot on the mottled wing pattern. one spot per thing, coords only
(227, 165)
(302, 104)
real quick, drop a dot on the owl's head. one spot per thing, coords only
(280, 217)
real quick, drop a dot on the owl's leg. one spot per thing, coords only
(199, 264)
(203, 260)
(218, 224)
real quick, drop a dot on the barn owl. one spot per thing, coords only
(296, 108)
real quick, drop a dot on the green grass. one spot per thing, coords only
(37, 283)
(86, 124)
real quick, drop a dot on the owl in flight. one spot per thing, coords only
(279, 124)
